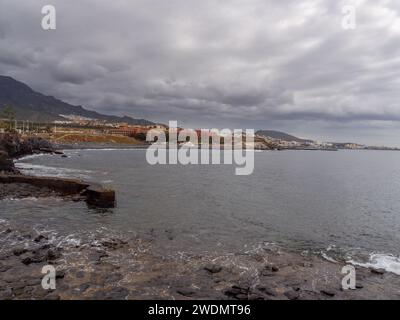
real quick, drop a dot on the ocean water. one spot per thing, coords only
(342, 204)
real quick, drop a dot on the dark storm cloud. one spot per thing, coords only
(253, 63)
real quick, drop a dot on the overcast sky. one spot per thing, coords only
(286, 65)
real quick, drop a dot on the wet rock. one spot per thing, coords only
(97, 256)
(19, 251)
(18, 292)
(117, 293)
(47, 150)
(254, 296)
(238, 292)
(100, 295)
(270, 268)
(40, 238)
(185, 292)
(266, 290)
(269, 271)
(100, 197)
(213, 269)
(114, 244)
(52, 255)
(52, 296)
(292, 295)
(83, 287)
(78, 198)
(6, 294)
(6, 164)
(27, 261)
(113, 278)
(33, 281)
(4, 268)
(9, 278)
(328, 293)
(39, 256)
(378, 271)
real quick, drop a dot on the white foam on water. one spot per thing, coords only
(386, 262)
(26, 199)
(329, 253)
(327, 258)
(41, 170)
(69, 240)
(31, 156)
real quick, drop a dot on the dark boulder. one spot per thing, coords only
(378, 271)
(6, 164)
(213, 268)
(15, 146)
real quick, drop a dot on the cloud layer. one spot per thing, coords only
(261, 64)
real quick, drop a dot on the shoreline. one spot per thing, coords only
(117, 267)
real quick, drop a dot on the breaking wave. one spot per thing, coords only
(32, 156)
(40, 170)
(386, 262)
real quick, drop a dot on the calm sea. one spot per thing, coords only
(343, 203)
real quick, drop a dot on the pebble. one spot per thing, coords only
(185, 292)
(328, 293)
(292, 295)
(378, 271)
(213, 268)
(40, 237)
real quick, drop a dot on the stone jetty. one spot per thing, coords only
(96, 195)
(13, 146)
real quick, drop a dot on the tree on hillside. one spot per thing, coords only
(9, 114)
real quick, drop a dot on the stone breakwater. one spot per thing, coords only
(13, 146)
(94, 194)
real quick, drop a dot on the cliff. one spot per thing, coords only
(13, 146)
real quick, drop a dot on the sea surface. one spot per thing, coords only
(343, 204)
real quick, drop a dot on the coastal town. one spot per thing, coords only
(78, 129)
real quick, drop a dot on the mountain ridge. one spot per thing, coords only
(35, 106)
(281, 136)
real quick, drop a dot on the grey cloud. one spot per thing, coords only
(258, 63)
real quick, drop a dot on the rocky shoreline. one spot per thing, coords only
(116, 267)
(13, 146)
